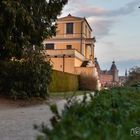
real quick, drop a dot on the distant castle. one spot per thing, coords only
(108, 78)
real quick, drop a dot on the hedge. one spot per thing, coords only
(62, 81)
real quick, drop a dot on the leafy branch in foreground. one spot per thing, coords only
(110, 114)
(24, 23)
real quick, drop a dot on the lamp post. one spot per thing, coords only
(63, 62)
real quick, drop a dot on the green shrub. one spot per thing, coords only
(62, 81)
(25, 78)
(133, 78)
(110, 115)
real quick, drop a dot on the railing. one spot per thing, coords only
(58, 35)
(62, 52)
(75, 35)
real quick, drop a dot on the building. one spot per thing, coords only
(72, 49)
(108, 78)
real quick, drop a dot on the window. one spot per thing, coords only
(69, 46)
(49, 46)
(69, 28)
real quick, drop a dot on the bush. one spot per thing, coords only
(87, 82)
(133, 78)
(110, 115)
(25, 78)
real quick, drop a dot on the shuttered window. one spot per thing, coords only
(69, 28)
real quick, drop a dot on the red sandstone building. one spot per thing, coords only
(108, 78)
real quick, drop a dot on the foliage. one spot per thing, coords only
(87, 82)
(109, 115)
(62, 81)
(25, 78)
(134, 76)
(24, 23)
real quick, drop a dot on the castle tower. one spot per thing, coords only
(114, 72)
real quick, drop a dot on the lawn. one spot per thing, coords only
(65, 95)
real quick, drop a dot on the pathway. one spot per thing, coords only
(17, 123)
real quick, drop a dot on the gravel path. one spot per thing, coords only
(17, 123)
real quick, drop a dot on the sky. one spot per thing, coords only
(116, 26)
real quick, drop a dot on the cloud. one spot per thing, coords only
(100, 19)
(101, 27)
(128, 9)
(102, 12)
(72, 7)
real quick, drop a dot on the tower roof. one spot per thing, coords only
(113, 66)
(126, 72)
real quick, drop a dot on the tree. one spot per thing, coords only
(134, 76)
(24, 23)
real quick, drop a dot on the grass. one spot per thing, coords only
(67, 94)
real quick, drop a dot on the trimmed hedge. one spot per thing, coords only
(62, 82)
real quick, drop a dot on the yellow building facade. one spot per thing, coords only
(72, 49)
